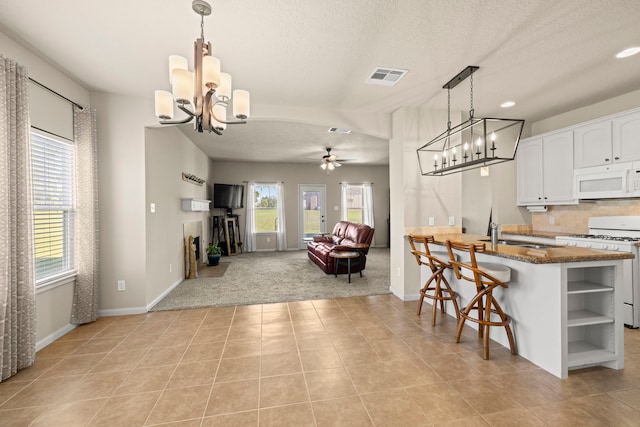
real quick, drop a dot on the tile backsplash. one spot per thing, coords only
(575, 218)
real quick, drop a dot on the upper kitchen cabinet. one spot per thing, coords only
(604, 142)
(626, 137)
(545, 170)
(593, 144)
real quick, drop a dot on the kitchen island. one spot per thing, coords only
(565, 302)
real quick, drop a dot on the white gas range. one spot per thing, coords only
(616, 233)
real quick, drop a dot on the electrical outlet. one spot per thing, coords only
(552, 220)
(432, 221)
(170, 268)
(152, 208)
(452, 220)
(268, 239)
(121, 286)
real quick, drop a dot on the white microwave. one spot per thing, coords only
(607, 182)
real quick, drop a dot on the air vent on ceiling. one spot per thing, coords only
(386, 76)
(339, 130)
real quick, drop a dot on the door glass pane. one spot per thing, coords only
(312, 208)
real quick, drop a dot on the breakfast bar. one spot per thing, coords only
(565, 302)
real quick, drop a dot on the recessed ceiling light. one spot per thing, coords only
(507, 104)
(628, 52)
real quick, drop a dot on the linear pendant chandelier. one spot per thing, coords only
(206, 88)
(474, 143)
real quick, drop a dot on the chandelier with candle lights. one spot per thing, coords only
(206, 90)
(474, 143)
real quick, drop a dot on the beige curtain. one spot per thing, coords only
(85, 295)
(17, 278)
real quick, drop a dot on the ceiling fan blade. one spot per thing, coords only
(337, 164)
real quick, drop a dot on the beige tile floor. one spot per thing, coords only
(366, 361)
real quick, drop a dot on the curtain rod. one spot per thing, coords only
(355, 183)
(57, 94)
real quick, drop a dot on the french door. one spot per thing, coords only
(312, 212)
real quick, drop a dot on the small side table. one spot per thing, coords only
(348, 255)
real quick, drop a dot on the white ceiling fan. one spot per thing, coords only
(330, 161)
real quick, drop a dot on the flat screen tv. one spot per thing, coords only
(228, 196)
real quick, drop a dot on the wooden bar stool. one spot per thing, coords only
(487, 277)
(436, 288)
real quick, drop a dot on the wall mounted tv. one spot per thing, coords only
(228, 196)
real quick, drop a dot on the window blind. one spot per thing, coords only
(53, 202)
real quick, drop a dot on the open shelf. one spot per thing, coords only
(586, 317)
(582, 287)
(592, 332)
(584, 353)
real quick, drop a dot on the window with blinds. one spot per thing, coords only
(52, 161)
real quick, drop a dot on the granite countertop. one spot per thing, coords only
(535, 233)
(536, 256)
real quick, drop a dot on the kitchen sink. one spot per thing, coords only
(525, 244)
(529, 245)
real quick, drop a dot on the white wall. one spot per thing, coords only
(44, 72)
(121, 175)
(610, 106)
(168, 153)
(415, 198)
(294, 174)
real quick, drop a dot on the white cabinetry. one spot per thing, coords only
(545, 170)
(593, 328)
(612, 140)
(593, 144)
(626, 137)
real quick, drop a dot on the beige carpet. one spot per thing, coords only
(270, 277)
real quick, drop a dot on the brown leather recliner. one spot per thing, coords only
(344, 234)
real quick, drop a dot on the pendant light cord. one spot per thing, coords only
(471, 111)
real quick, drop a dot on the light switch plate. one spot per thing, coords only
(452, 220)
(432, 221)
(152, 207)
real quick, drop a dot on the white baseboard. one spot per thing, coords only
(405, 297)
(164, 294)
(54, 336)
(122, 311)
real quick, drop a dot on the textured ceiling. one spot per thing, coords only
(549, 56)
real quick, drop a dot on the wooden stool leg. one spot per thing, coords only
(480, 305)
(507, 327)
(452, 294)
(473, 305)
(423, 292)
(434, 309)
(460, 326)
(485, 327)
